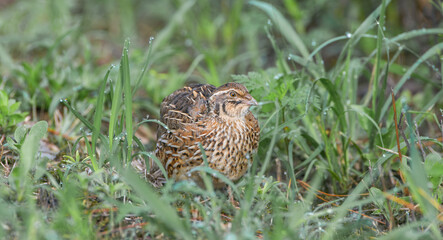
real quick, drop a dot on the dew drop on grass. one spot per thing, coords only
(348, 34)
(384, 155)
(314, 43)
(269, 22)
(150, 40)
(278, 76)
(403, 100)
(309, 214)
(430, 185)
(188, 42)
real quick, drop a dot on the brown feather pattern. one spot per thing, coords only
(217, 118)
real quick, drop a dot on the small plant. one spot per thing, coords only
(19, 137)
(434, 170)
(9, 114)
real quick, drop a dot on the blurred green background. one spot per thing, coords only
(48, 48)
(321, 70)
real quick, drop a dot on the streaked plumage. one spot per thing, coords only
(219, 119)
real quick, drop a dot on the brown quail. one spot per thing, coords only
(217, 118)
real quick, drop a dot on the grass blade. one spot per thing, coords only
(28, 155)
(115, 110)
(335, 97)
(435, 50)
(163, 211)
(176, 19)
(125, 76)
(415, 33)
(98, 118)
(364, 27)
(273, 140)
(146, 66)
(375, 89)
(285, 28)
(77, 114)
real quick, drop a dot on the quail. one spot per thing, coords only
(218, 120)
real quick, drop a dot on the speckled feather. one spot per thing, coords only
(219, 119)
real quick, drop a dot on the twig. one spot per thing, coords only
(400, 201)
(396, 126)
(403, 132)
(392, 152)
(1, 144)
(136, 225)
(57, 133)
(398, 139)
(6, 168)
(423, 154)
(278, 166)
(391, 215)
(391, 177)
(441, 127)
(307, 186)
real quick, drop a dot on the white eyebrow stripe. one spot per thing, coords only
(225, 91)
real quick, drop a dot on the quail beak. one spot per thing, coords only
(251, 101)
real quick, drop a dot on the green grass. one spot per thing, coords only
(327, 165)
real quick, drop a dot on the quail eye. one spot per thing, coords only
(233, 94)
